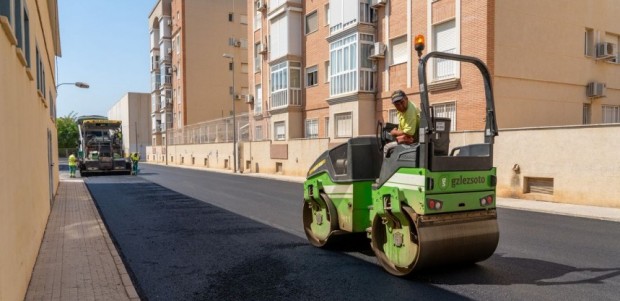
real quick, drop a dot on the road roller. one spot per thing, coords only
(424, 205)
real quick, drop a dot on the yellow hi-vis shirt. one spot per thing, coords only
(72, 160)
(409, 121)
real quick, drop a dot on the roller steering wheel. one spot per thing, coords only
(381, 141)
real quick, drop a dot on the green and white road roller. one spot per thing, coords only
(424, 205)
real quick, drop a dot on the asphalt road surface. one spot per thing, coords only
(189, 234)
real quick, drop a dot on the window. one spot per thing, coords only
(312, 76)
(258, 133)
(40, 71)
(312, 22)
(178, 43)
(445, 40)
(587, 113)
(392, 116)
(258, 100)
(312, 128)
(279, 131)
(52, 107)
(243, 19)
(285, 84)
(398, 51)
(367, 13)
(447, 110)
(327, 71)
(327, 14)
(611, 114)
(588, 42)
(343, 58)
(367, 72)
(5, 9)
(344, 125)
(27, 38)
(258, 22)
(257, 57)
(230, 17)
(17, 11)
(326, 127)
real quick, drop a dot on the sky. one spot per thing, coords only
(105, 44)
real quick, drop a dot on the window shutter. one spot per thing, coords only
(311, 22)
(399, 50)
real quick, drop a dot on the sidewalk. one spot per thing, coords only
(77, 259)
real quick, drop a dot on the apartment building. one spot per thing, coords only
(553, 63)
(29, 45)
(191, 79)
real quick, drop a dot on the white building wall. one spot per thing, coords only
(133, 111)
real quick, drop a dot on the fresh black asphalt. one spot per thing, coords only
(179, 248)
(186, 246)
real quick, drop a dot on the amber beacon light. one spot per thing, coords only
(419, 43)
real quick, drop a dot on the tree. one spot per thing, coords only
(67, 131)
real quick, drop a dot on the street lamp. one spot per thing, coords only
(232, 61)
(77, 84)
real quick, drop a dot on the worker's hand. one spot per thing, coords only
(394, 132)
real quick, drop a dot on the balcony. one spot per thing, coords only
(284, 98)
(167, 80)
(155, 107)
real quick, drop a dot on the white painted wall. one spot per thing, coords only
(582, 160)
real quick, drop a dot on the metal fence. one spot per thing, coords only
(214, 131)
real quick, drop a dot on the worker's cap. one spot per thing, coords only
(398, 95)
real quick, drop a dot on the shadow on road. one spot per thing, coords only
(504, 270)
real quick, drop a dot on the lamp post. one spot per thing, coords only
(232, 61)
(77, 84)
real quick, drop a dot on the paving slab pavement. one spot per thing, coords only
(77, 259)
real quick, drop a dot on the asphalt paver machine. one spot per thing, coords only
(424, 205)
(101, 148)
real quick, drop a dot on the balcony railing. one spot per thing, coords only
(284, 98)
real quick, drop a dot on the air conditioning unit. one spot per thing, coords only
(262, 48)
(169, 23)
(168, 70)
(238, 97)
(606, 50)
(169, 100)
(596, 89)
(249, 99)
(377, 3)
(261, 5)
(237, 43)
(378, 51)
(169, 50)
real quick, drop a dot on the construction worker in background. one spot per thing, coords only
(72, 165)
(135, 158)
